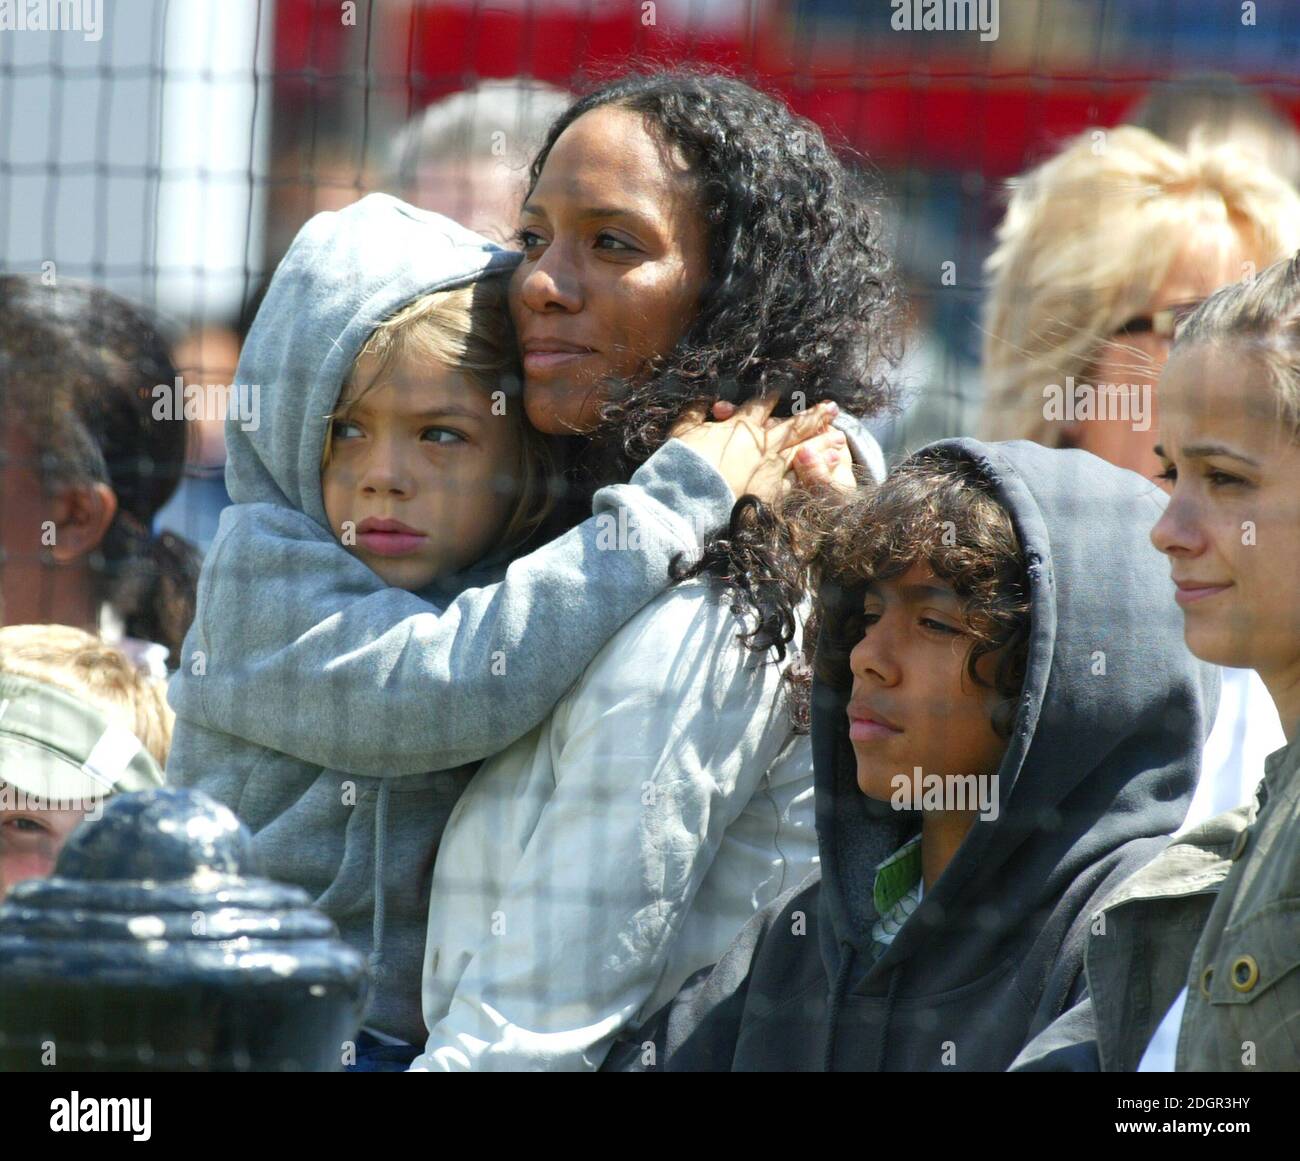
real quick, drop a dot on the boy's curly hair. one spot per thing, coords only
(940, 511)
(801, 298)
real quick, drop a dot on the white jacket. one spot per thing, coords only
(598, 862)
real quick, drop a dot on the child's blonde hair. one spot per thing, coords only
(1088, 238)
(1262, 317)
(468, 330)
(81, 664)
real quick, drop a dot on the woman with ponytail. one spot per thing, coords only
(86, 466)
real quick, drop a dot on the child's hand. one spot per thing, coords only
(821, 464)
(824, 465)
(754, 452)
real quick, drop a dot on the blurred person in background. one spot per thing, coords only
(206, 357)
(466, 156)
(1104, 247)
(938, 388)
(1206, 110)
(80, 723)
(86, 467)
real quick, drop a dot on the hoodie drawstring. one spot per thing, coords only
(837, 993)
(381, 840)
(894, 977)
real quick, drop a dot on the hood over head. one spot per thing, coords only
(1105, 747)
(346, 272)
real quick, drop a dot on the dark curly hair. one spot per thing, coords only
(800, 299)
(941, 511)
(77, 368)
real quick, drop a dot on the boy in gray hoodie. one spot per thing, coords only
(1005, 725)
(466, 651)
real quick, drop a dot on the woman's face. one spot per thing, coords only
(1232, 527)
(1212, 257)
(615, 261)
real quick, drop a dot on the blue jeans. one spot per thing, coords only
(374, 1055)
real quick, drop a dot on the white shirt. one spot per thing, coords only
(593, 866)
(1163, 1049)
(1246, 731)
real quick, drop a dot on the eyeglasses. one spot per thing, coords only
(1161, 323)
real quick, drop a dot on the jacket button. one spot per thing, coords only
(1206, 976)
(1239, 847)
(1245, 973)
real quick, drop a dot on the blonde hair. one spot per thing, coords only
(468, 330)
(1088, 238)
(81, 664)
(1262, 317)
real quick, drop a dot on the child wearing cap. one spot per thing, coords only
(78, 723)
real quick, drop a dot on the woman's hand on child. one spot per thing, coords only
(755, 453)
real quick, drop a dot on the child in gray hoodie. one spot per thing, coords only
(372, 424)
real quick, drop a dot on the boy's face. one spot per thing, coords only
(30, 842)
(913, 703)
(420, 481)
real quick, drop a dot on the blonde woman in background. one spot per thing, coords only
(1104, 248)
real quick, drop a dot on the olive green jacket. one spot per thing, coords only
(1222, 898)
(1243, 1000)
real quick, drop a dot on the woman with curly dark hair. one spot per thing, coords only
(687, 241)
(687, 238)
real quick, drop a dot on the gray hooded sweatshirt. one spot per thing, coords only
(340, 718)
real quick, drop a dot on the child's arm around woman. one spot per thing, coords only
(308, 650)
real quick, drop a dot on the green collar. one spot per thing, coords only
(897, 875)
